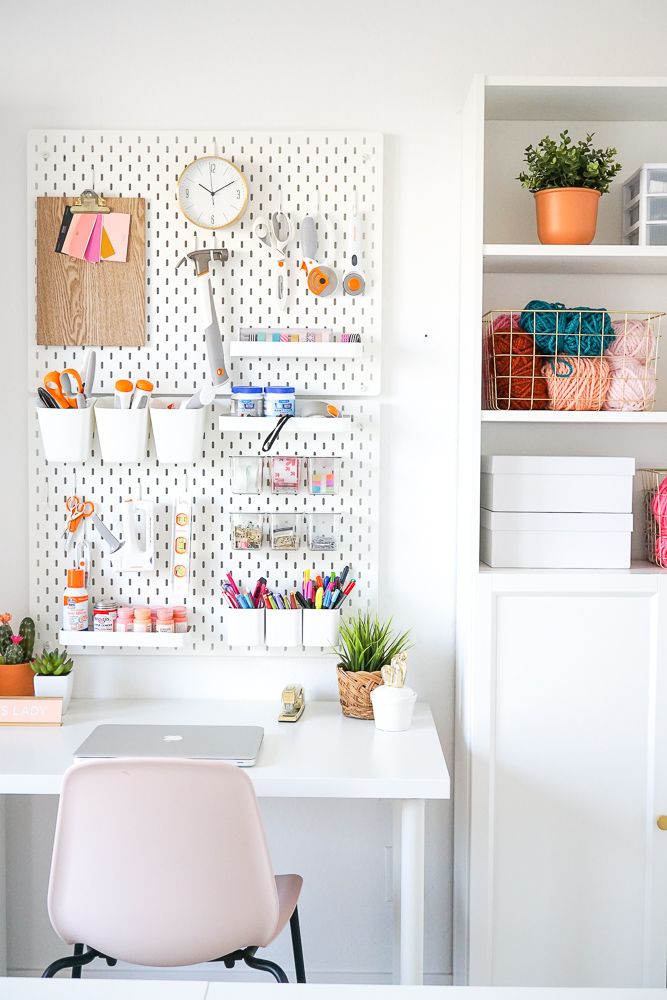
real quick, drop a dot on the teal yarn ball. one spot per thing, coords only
(584, 331)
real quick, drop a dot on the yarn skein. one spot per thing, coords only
(583, 331)
(577, 383)
(515, 373)
(634, 339)
(632, 385)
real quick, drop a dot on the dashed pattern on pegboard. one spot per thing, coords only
(325, 174)
(209, 484)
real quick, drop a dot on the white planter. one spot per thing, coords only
(123, 434)
(55, 687)
(283, 628)
(393, 708)
(245, 626)
(67, 435)
(320, 628)
(178, 434)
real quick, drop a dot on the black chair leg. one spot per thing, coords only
(69, 962)
(263, 965)
(76, 970)
(297, 947)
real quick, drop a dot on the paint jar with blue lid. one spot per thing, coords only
(279, 401)
(247, 400)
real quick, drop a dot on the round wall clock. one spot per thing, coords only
(212, 192)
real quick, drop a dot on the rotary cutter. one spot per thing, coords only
(322, 279)
(354, 279)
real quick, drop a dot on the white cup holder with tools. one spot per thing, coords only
(122, 433)
(178, 432)
(245, 626)
(283, 627)
(67, 434)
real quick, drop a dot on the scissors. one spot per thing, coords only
(78, 509)
(275, 233)
(60, 385)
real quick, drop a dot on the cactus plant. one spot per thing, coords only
(14, 653)
(52, 664)
(27, 630)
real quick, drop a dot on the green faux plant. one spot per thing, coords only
(16, 647)
(568, 164)
(52, 664)
(367, 644)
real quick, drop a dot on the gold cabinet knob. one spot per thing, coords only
(662, 822)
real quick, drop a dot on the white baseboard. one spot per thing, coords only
(212, 973)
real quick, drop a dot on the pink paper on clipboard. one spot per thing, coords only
(78, 235)
(92, 253)
(114, 237)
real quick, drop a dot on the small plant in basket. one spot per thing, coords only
(567, 179)
(16, 678)
(365, 646)
(53, 675)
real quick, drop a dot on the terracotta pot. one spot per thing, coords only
(16, 680)
(566, 215)
(355, 689)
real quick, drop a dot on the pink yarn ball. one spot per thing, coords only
(634, 339)
(577, 383)
(661, 551)
(659, 507)
(506, 323)
(632, 385)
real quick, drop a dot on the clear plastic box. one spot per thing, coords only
(247, 475)
(285, 474)
(657, 235)
(247, 531)
(285, 532)
(656, 180)
(657, 209)
(323, 476)
(324, 532)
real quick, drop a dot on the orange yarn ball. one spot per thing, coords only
(515, 372)
(577, 383)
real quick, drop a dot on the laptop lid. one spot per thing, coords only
(234, 744)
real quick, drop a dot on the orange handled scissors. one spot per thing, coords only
(78, 509)
(63, 388)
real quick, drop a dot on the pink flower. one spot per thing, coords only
(17, 639)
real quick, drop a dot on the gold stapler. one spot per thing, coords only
(293, 703)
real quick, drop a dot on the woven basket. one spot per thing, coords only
(355, 692)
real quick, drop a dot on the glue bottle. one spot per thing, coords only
(75, 602)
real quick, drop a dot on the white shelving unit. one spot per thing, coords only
(561, 698)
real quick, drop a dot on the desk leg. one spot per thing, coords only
(411, 913)
(3, 885)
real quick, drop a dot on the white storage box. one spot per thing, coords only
(123, 434)
(558, 484)
(320, 628)
(178, 434)
(245, 626)
(283, 627)
(67, 435)
(555, 541)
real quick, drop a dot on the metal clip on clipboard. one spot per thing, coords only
(91, 202)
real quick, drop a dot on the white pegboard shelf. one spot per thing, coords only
(574, 416)
(314, 425)
(268, 349)
(94, 641)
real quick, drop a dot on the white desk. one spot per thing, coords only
(324, 755)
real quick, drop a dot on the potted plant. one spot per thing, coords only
(53, 676)
(365, 646)
(567, 179)
(16, 677)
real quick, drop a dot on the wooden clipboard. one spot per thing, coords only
(81, 303)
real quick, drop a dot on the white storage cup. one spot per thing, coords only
(283, 627)
(320, 628)
(67, 435)
(178, 434)
(245, 626)
(123, 434)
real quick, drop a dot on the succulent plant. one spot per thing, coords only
(52, 664)
(16, 648)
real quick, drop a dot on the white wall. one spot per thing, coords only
(402, 68)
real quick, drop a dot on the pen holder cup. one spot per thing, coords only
(67, 435)
(283, 628)
(178, 434)
(320, 628)
(123, 434)
(245, 626)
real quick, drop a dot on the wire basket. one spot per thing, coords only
(569, 359)
(654, 482)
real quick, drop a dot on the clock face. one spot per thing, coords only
(212, 192)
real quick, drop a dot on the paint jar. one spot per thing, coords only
(142, 620)
(247, 401)
(153, 612)
(165, 620)
(279, 401)
(180, 619)
(75, 602)
(125, 620)
(105, 614)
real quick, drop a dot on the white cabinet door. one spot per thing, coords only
(568, 867)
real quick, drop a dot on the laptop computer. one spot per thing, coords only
(234, 744)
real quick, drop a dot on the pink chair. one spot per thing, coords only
(165, 863)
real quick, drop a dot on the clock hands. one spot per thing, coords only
(223, 187)
(212, 193)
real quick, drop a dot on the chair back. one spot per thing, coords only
(161, 862)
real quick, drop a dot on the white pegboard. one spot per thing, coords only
(308, 170)
(324, 174)
(208, 483)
